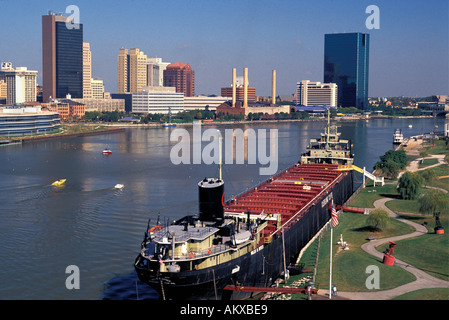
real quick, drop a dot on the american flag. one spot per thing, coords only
(334, 216)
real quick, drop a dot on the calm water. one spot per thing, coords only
(90, 224)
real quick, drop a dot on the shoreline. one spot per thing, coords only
(120, 127)
(31, 138)
(338, 119)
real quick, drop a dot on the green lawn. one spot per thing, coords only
(349, 266)
(440, 171)
(429, 252)
(426, 294)
(367, 196)
(428, 162)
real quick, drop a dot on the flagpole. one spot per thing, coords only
(330, 259)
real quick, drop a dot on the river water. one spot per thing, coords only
(90, 224)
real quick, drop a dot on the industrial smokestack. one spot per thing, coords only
(245, 88)
(273, 88)
(234, 76)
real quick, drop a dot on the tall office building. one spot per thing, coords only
(316, 94)
(346, 63)
(131, 70)
(137, 70)
(20, 85)
(87, 71)
(62, 57)
(181, 76)
(155, 72)
(122, 71)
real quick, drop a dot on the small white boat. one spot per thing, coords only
(410, 126)
(119, 186)
(107, 151)
(398, 137)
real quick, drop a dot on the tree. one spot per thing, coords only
(409, 185)
(434, 201)
(378, 218)
(389, 168)
(428, 175)
(391, 162)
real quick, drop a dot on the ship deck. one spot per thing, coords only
(289, 194)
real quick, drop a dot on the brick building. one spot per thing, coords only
(182, 77)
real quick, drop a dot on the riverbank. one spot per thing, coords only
(312, 119)
(92, 128)
(64, 133)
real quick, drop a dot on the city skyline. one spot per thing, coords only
(408, 54)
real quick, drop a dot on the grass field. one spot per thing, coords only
(426, 294)
(429, 252)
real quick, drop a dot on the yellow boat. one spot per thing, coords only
(59, 182)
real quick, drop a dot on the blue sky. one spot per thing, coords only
(408, 56)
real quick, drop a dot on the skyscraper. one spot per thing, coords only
(131, 70)
(181, 76)
(122, 71)
(87, 71)
(346, 63)
(62, 57)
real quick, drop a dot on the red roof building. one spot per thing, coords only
(181, 76)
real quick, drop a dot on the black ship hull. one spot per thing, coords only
(260, 267)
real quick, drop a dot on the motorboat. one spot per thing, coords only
(59, 182)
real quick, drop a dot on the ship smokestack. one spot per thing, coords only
(234, 76)
(211, 199)
(273, 88)
(245, 88)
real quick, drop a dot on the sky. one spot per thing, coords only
(409, 52)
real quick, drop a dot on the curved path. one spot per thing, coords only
(423, 280)
(413, 166)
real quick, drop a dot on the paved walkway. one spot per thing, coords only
(423, 280)
(414, 165)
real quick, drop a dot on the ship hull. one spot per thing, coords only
(260, 267)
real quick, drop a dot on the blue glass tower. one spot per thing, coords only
(62, 58)
(69, 61)
(346, 63)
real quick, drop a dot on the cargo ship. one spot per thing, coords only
(251, 239)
